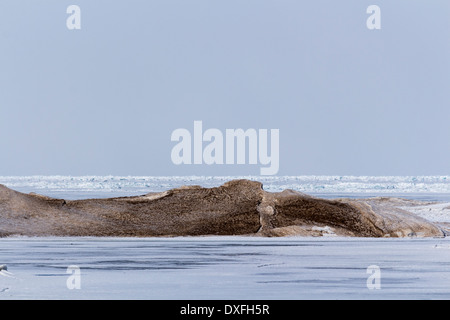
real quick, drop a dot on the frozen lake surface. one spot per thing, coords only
(224, 268)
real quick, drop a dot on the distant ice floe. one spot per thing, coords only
(306, 184)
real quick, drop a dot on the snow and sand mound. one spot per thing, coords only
(237, 207)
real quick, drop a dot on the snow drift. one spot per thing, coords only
(238, 207)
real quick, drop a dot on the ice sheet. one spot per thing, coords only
(225, 268)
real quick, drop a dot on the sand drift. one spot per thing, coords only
(238, 207)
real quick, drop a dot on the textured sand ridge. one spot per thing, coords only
(238, 207)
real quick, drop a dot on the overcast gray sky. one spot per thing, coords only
(105, 99)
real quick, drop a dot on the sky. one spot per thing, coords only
(105, 99)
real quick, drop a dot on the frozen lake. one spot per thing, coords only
(224, 268)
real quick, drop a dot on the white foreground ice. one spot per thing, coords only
(225, 268)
